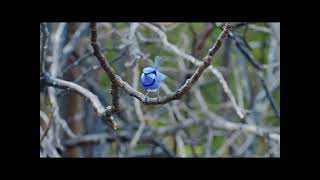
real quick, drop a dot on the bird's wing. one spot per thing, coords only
(161, 76)
(157, 63)
(152, 76)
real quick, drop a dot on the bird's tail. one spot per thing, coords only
(157, 61)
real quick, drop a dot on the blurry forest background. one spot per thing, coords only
(233, 110)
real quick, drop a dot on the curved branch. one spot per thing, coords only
(197, 62)
(117, 81)
(104, 113)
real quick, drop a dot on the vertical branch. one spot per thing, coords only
(57, 49)
(138, 109)
(55, 66)
(74, 40)
(226, 63)
(227, 90)
(180, 144)
(259, 69)
(203, 37)
(106, 67)
(238, 81)
(269, 95)
(44, 47)
(209, 143)
(49, 150)
(134, 51)
(48, 126)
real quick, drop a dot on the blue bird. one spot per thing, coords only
(152, 77)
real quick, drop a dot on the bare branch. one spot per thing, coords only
(116, 80)
(138, 109)
(79, 89)
(259, 69)
(44, 47)
(218, 122)
(228, 142)
(104, 137)
(203, 37)
(259, 28)
(269, 95)
(48, 148)
(197, 62)
(180, 143)
(227, 90)
(57, 41)
(88, 71)
(83, 58)
(106, 67)
(57, 49)
(105, 113)
(189, 121)
(74, 40)
(48, 127)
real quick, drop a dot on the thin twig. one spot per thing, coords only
(218, 122)
(269, 95)
(228, 142)
(259, 28)
(48, 148)
(180, 143)
(259, 68)
(88, 71)
(79, 61)
(104, 137)
(48, 126)
(246, 52)
(203, 37)
(69, 48)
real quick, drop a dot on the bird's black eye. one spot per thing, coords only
(153, 72)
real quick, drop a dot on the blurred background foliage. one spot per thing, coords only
(197, 140)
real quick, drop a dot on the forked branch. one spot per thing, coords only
(118, 82)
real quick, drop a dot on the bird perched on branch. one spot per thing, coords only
(151, 78)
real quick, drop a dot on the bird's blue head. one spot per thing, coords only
(148, 76)
(148, 70)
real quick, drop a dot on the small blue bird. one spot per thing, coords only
(152, 77)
